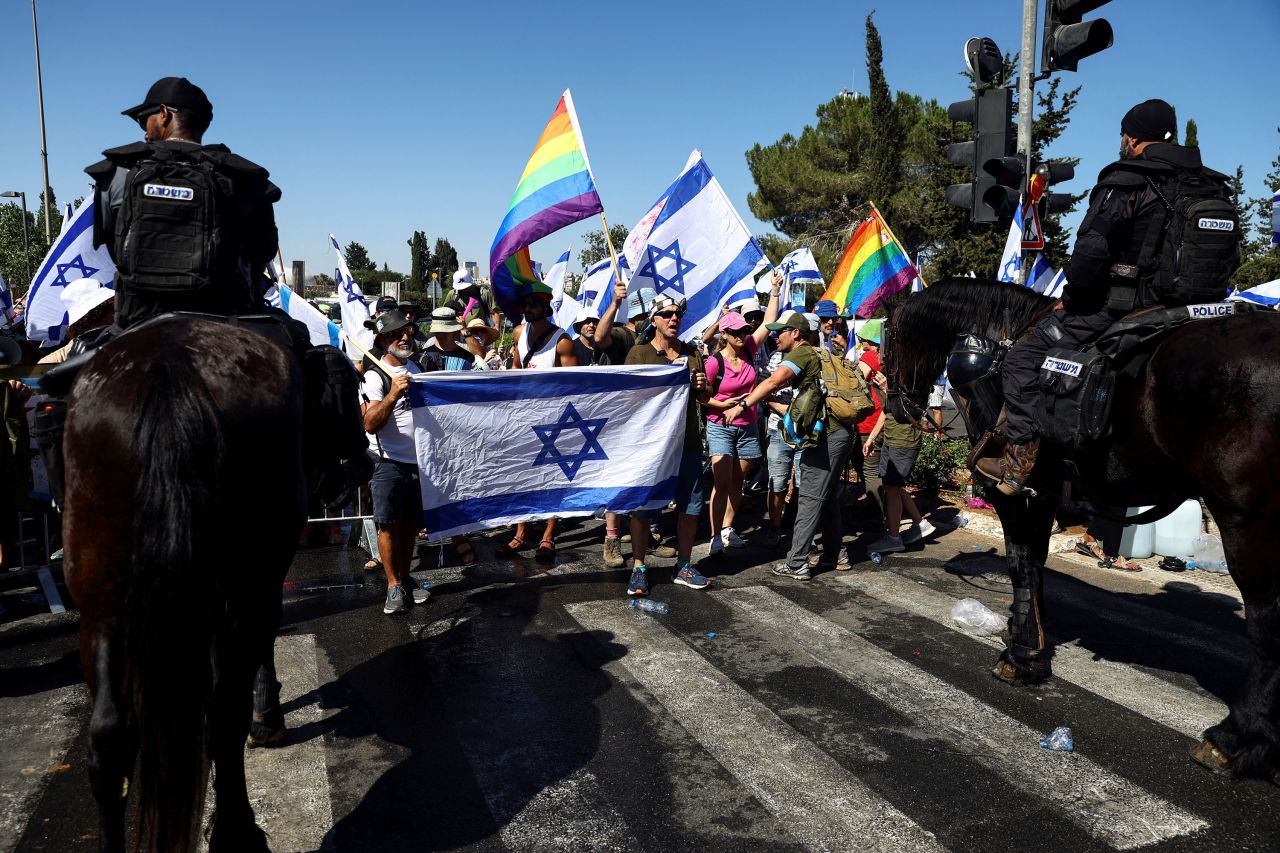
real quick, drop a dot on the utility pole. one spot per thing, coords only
(1026, 88)
(44, 146)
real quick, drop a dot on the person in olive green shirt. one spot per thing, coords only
(902, 439)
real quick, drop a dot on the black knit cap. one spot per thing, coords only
(1151, 121)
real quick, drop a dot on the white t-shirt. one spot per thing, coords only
(395, 439)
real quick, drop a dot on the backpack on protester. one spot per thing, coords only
(1191, 248)
(848, 396)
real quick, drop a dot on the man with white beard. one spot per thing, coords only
(397, 495)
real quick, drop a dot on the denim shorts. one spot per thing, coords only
(896, 464)
(397, 494)
(690, 497)
(740, 441)
(782, 461)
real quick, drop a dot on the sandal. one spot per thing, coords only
(373, 566)
(1091, 549)
(465, 552)
(424, 536)
(546, 550)
(1119, 563)
(511, 549)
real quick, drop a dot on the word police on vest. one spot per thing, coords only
(1060, 365)
(1212, 309)
(175, 193)
(1207, 224)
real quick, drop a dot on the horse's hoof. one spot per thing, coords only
(261, 737)
(1012, 672)
(1207, 755)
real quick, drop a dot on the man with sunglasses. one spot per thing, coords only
(667, 348)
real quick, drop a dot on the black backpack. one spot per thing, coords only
(177, 230)
(1191, 248)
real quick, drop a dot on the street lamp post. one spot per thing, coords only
(26, 243)
(44, 146)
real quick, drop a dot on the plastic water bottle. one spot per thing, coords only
(962, 520)
(648, 605)
(968, 494)
(1060, 739)
(876, 557)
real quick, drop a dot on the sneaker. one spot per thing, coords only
(688, 576)
(887, 544)
(639, 584)
(613, 552)
(773, 538)
(731, 538)
(717, 546)
(782, 570)
(917, 532)
(397, 602)
(421, 595)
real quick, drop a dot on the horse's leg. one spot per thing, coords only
(230, 712)
(267, 728)
(1247, 742)
(1027, 522)
(113, 744)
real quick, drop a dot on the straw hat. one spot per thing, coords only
(476, 324)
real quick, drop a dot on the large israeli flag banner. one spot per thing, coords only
(566, 442)
(1267, 294)
(72, 257)
(354, 309)
(321, 329)
(693, 245)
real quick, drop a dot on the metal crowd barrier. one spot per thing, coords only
(35, 558)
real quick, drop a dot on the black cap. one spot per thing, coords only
(386, 303)
(177, 92)
(387, 321)
(1151, 121)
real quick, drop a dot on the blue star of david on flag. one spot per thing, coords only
(78, 263)
(788, 266)
(675, 281)
(569, 463)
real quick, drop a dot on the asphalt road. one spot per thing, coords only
(526, 707)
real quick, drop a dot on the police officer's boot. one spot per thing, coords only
(1012, 470)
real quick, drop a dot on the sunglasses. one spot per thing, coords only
(667, 315)
(142, 117)
(737, 333)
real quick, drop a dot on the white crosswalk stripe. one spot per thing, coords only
(770, 758)
(1154, 698)
(1108, 807)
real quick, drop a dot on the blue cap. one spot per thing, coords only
(826, 309)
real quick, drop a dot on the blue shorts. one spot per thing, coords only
(397, 494)
(690, 498)
(740, 441)
(782, 461)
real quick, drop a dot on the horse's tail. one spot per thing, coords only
(174, 602)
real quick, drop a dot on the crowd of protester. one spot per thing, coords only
(744, 372)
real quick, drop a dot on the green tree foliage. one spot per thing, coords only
(358, 259)
(596, 249)
(1259, 261)
(813, 187)
(13, 265)
(419, 260)
(322, 284)
(1191, 139)
(444, 260)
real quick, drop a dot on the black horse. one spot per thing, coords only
(1201, 420)
(185, 500)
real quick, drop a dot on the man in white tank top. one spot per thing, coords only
(539, 343)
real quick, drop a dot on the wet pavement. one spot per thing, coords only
(527, 707)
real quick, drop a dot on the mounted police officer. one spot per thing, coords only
(1117, 265)
(191, 227)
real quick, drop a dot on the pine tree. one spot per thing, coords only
(884, 161)
(1260, 261)
(358, 259)
(419, 260)
(444, 260)
(1191, 139)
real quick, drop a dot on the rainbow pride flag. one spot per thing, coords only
(873, 268)
(556, 189)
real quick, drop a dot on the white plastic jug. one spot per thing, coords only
(1137, 541)
(1175, 532)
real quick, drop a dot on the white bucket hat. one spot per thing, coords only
(82, 296)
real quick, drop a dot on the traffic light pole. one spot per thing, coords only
(1026, 86)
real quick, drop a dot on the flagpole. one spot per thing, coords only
(382, 365)
(895, 239)
(613, 255)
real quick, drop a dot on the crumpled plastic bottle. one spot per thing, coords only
(977, 617)
(1059, 739)
(1207, 554)
(650, 606)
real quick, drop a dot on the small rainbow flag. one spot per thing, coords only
(556, 189)
(873, 268)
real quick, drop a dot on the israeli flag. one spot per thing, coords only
(72, 257)
(565, 442)
(800, 269)
(354, 309)
(1011, 260)
(1264, 294)
(1055, 285)
(563, 311)
(1041, 275)
(693, 245)
(321, 329)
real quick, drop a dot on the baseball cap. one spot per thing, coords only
(177, 92)
(390, 321)
(733, 320)
(789, 320)
(386, 303)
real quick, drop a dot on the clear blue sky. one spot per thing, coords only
(382, 117)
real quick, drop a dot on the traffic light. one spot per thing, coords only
(1068, 38)
(1046, 175)
(1003, 195)
(989, 112)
